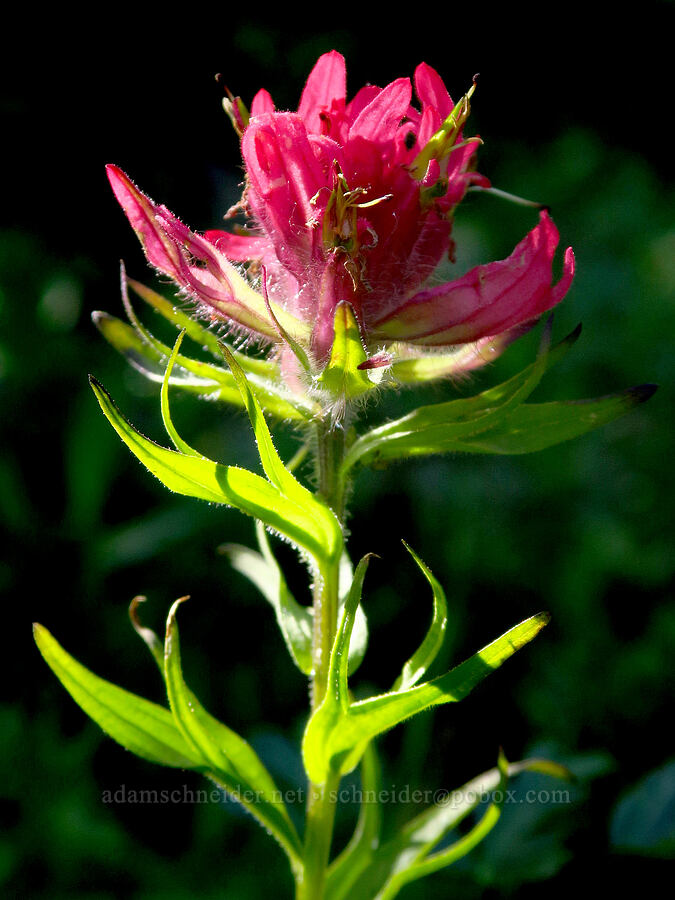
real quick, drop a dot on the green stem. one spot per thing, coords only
(321, 800)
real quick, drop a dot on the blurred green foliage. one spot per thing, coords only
(584, 530)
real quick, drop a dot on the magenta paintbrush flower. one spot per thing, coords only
(352, 201)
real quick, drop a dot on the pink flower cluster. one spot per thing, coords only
(352, 200)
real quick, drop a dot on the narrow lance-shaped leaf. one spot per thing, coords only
(294, 620)
(198, 333)
(339, 731)
(414, 843)
(145, 728)
(231, 760)
(205, 479)
(358, 643)
(434, 428)
(176, 439)
(344, 873)
(536, 426)
(326, 524)
(148, 636)
(437, 861)
(149, 359)
(333, 711)
(148, 356)
(420, 661)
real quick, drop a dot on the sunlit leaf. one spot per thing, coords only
(145, 728)
(150, 361)
(148, 636)
(437, 427)
(205, 479)
(420, 661)
(339, 730)
(358, 643)
(324, 518)
(232, 762)
(176, 439)
(148, 355)
(197, 332)
(341, 375)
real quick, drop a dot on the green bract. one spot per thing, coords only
(340, 730)
(280, 502)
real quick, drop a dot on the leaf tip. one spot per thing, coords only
(133, 610)
(171, 618)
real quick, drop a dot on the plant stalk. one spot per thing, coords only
(321, 800)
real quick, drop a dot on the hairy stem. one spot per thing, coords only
(321, 799)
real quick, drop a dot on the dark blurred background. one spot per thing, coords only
(573, 108)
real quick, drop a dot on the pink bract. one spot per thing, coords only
(353, 200)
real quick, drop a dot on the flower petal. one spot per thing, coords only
(238, 247)
(262, 103)
(172, 248)
(381, 118)
(487, 300)
(284, 175)
(432, 92)
(141, 212)
(326, 86)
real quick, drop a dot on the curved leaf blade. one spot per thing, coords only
(338, 732)
(358, 643)
(294, 620)
(537, 426)
(198, 333)
(230, 759)
(147, 355)
(324, 518)
(176, 439)
(204, 479)
(426, 653)
(434, 428)
(143, 727)
(344, 873)
(415, 841)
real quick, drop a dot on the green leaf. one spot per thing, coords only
(338, 732)
(435, 862)
(176, 439)
(324, 518)
(408, 855)
(420, 661)
(536, 426)
(294, 620)
(148, 359)
(232, 762)
(359, 639)
(149, 637)
(643, 821)
(438, 427)
(342, 376)
(267, 368)
(145, 728)
(147, 354)
(309, 525)
(345, 871)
